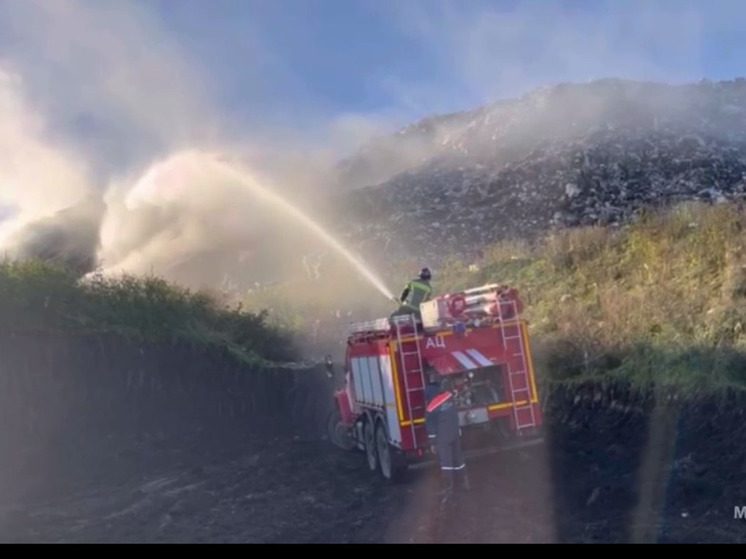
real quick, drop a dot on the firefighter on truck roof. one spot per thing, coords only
(444, 432)
(415, 292)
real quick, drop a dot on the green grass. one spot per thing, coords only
(40, 297)
(661, 301)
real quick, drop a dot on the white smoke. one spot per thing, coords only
(37, 178)
(176, 209)
(183, 216)
(180, 208)
(127, 142)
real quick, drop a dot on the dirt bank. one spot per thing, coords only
(104, 441)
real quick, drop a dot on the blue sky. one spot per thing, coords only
(415, 57)
(124, 78)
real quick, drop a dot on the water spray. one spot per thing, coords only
(245, 180)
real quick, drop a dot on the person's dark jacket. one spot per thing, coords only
(441, 423)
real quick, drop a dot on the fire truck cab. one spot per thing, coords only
(478, 339)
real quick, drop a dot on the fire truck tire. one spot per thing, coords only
(338, 433)
(369, 438)
(390, 462)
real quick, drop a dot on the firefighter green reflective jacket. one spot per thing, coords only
(416, 292)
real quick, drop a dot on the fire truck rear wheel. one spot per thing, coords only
(369, 438)
(390, 462)
(338, 432)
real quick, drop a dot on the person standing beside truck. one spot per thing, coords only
(442, 424)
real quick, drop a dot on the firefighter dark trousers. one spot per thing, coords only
(449, 454)
(452, 463)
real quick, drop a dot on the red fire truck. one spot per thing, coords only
(478, 339)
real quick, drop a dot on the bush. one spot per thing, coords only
(36, 296)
